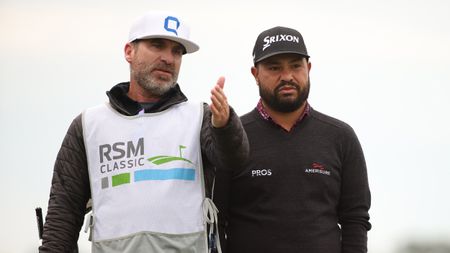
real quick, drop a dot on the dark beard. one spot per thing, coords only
(277, 103)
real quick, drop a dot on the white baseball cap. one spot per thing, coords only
(164, 25)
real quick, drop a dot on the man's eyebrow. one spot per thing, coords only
(157, 40)
(296, 60)
(271, 62)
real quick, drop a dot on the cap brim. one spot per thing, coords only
(280, 52)
(190, 46)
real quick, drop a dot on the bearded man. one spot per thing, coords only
(304, 188)
(147, 157)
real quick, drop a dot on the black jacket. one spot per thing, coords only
(302, 191)
(70, 189)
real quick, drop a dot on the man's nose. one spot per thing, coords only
(167, 56)
(287, 75)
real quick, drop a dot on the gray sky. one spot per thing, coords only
(382, 66)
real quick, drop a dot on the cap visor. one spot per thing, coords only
(280, 52)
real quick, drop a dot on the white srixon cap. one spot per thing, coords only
(164, 25)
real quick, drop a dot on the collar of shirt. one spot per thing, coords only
(262, 111)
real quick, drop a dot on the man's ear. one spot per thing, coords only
(129, 51)
(254, 71)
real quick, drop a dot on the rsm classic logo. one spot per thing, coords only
(130, 157)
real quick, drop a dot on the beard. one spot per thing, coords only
(157, 86)
(280, 103)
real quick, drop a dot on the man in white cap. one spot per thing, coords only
(146, 158)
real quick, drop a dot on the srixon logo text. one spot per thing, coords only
(121, 155)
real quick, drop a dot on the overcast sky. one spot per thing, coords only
(381, 66)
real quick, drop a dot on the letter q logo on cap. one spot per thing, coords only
(171, 22)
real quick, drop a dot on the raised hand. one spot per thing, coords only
(219, 105)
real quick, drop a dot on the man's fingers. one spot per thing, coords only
(219, 105)
(215, 102)
(218, 96)
(221, 82)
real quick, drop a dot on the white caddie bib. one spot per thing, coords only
(146, 178)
